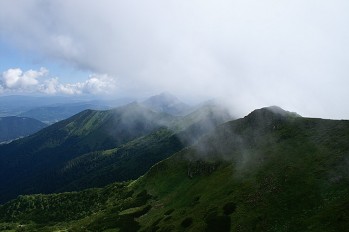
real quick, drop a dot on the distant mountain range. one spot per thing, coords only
(13, 105)
(54, 108)
(15, 127)
(269, 171)
(52, 114)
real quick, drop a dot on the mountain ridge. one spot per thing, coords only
(39, 155)
(137, 134)
(274, 175)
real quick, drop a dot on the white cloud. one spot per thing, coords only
(292, 53)
(97, 84)
(15, 80)
(50, 86)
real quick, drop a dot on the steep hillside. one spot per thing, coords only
(15, 127)
(269, 171)
(128, 161)
(96, 148)
(29, 165)
(133, 159)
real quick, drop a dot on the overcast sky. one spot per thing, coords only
(251, 53)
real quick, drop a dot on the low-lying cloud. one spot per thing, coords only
(38, 81)
(252, 53)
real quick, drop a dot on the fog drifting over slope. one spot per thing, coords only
(251, 53)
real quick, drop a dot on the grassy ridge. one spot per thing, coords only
(283, 174)
(265, 172)
(30, 165)
(96, 148)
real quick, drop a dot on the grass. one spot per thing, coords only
(286, 174)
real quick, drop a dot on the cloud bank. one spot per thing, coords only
(16, 79)
(252, 53)
(38, 81)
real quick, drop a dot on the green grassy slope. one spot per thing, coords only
(96, 148)
(133, 159)
(291, 180)
(265, 172)
(29, 165)
(128, 161)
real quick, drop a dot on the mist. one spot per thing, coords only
(249, 54)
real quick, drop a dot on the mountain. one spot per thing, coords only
(15, 127)
(52, 114)
(135, 158)
(269, 171)
(96, 148)
(167, 103)
(30, 164)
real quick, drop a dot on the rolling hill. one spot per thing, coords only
(269, 171)
(15, 127)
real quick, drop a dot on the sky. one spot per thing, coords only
(247, 53)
